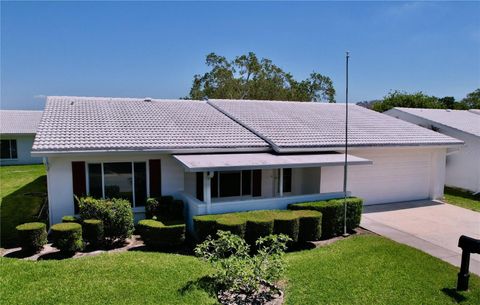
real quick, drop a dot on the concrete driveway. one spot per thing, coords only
(431, 226)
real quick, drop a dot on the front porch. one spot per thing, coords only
(224, 183)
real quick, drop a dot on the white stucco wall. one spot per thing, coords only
(24, 148)
(463, 166)
(399, 174)
(60, 183)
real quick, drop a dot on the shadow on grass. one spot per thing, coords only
(206, 283)
(56, 255)
(453, 293)
(18, 208)
(183, 250)
(19, 254)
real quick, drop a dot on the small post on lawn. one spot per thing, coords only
(345, 233)
(468, 245)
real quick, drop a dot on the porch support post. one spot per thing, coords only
(207, 194)
(280, 187)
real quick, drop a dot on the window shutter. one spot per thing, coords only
(200, 186)
(257, 183)
(155, 178)
(79, 182)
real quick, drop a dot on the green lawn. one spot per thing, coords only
(462, 198)
(15, 207)
(359, 270)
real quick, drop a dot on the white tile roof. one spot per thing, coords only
(19, 121)
(463, 120)
(128, 124)
(291, 126)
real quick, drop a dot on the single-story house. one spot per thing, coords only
(231, 155)
(463, 165)
(17, 131)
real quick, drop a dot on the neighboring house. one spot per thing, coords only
(223, 156)
(463, 166)
(17, 131)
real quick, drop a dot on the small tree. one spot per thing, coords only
(238, 271)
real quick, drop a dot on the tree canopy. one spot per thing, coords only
(421, 100)
(247, 77)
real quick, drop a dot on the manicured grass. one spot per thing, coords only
(359, 270)
(373, 270)
(15, 207)
(462, 198)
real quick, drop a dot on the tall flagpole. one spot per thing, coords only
(345, 233)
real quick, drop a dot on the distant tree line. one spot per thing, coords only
(421, 100)
(248, 77)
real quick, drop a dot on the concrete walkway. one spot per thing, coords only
(431, 226)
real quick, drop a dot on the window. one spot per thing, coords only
(287, 180)
(231, 184)
(8, 149)
(127, 180)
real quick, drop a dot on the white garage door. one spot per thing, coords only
(399, 175)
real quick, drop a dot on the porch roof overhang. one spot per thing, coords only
(224, 162)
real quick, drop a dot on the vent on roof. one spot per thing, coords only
(147, 99)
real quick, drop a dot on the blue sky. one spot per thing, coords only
(154, 49)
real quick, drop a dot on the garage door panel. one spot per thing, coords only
(394, 176)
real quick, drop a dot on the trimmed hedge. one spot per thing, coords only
(254, 224)
(288, 224)
(32, 236)
(155, 234)
(67, 237)
(310, 225)
(93, 232)
(67, 219)
(116, 215)
(333, 213)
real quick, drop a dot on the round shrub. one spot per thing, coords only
(233, 225)
(257, 228)
(67, 237)
(286, 223)
(32, 236)
(92, 231)
(204, 226)
(116, 215)
(155, 234)
(310, 225)
(69, 218)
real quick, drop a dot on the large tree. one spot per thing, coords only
(409, 100)
(472, 100)
(247, 77)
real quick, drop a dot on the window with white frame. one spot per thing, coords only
(231, 184)
(8, 149)
(127, 180)
(287, 180)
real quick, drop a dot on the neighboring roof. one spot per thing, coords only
(218, 162)
(19, 121)
(476, 111)
(297, 126)
(462, 120)
(81, 124)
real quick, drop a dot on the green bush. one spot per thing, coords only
(67, 237)
(204, 226)
(116, 215)
(257, 228)
(333, 214)
(310, 225)
(288, 224)
(32, 236)
(67, 219)
(233, 225)
(93, 232)
(155, 234)
(252, 225)
(165, 208)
